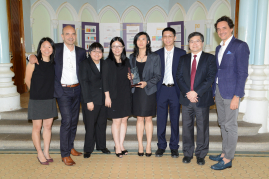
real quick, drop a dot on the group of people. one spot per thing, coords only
(168, 78)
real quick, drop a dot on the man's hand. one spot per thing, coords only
(129, 77)
(142, 85)
(32, 59)
(192, 96)
(90, 106)
(108, 102)
(234, 103)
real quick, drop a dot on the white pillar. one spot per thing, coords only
(32, 21)
(54, 24)
(208, 35)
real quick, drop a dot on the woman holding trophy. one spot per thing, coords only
(146, 68)
(117, 90)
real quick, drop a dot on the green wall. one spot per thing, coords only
(41, 24)
(178, 16)
(132, 16)
(86, 16)
(109, 17)
(156, 17)
(199, 14)
(65, 14)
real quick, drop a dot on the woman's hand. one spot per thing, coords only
(108, 102)
(129, 77)
(142, 85)
(90, 106)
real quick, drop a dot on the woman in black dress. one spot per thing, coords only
(42, 105)
(144, 95)
(117, 90)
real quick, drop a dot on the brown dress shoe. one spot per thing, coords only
(75, 153)
(68, 161)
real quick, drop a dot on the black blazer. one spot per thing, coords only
(58, 66)
(204, 77)
(91, 82)
(109, 74)
(151, 73)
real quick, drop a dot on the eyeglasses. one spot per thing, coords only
(116, 47)
(192, 42)
(94, 51)
(168, 37)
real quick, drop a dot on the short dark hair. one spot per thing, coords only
(39, 54)
(96, 45)
(123, 53)
(196, 34)
(136, 49)
(226, 19)
(169, 29)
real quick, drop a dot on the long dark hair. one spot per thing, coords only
(39, 54)
(136, 49)
(123, 54)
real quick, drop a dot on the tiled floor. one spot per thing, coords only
(25, 165)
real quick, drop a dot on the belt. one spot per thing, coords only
(70, 86)
(169, 85)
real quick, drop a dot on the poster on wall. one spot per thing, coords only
(107, 32)
(62, 24)
(90, 34)
(195, 26)
(129, 32)
(179, 28)
(155, 33)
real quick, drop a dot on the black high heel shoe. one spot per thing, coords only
(118, 154)
(125, 152)
(140, 154)
(148, 154)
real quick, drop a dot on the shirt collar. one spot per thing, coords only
(227, 41)
(66, 48)
(198, 55)
(172, 51)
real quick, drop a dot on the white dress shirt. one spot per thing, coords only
(222, 50)
(171, 80)
(98, 66)
(69, 74)
(197, 58)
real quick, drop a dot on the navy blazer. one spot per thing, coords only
(58, 66)
(176, 58)
(233, 70)
(204, 78)
(151, 73)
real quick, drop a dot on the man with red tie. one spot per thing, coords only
(195, 75)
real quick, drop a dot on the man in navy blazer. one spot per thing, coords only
(168, 93)
(232, 62)
(67, 90)
(195, 76)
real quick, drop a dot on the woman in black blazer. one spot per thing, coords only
(144, 95)
(117, 90)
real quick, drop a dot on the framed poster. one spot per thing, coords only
(62, 24)
(107, 32)
(155, 33)
(90, 34)
(129, 32)
(179, 28)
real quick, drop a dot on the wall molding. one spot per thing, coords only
(193, 8)
(128, 10)
(91, 9)
(214, 7)
(46, 5)
(70, 8)
(107, 8)
(174, 10)
(156, 8)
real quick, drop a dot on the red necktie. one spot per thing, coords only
(193, 71)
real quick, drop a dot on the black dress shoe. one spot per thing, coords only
(140, 154)
(200, 161)
(105, 151)
(159, 152)
(174, 153)
(87, 154)
(148, 154)
(186, 159)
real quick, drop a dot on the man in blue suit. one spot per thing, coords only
(168, 93)
(232, 62)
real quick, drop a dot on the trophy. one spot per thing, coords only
(136, 79)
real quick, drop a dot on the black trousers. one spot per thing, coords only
(202, 124)
(69, 104)
(95, 126)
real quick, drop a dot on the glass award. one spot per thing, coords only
(135, 79)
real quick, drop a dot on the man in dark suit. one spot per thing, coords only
(232, 62)
(93, 100)
(195, 75)
(168, 93)
(67, 90)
